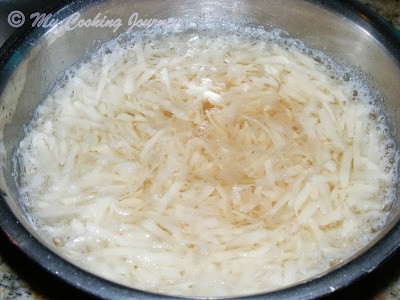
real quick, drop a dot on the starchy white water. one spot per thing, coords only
(207, 163)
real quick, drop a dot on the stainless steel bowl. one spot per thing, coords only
(34, 58)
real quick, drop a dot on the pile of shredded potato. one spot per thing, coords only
(206, 164)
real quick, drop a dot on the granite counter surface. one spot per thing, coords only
(389, 9)
(20, 279)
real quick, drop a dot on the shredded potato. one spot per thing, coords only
(206, 165)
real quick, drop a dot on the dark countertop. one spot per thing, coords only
(20, 279)
(389, 9)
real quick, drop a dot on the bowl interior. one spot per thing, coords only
(36, 59)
